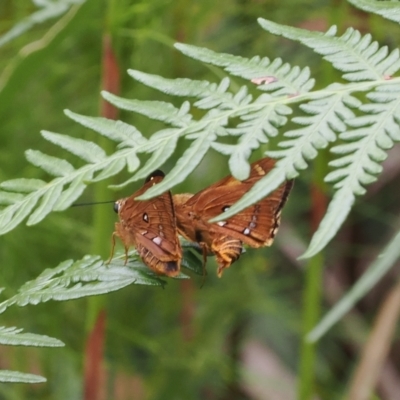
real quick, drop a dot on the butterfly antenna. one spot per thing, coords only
(92, 204)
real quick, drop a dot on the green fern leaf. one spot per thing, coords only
(159, 110)
(184, 166)
(22, 185)
(117, 131)
(286, 80)
(253, 132)
(357, 56)
(177, 87)
(47, 203)
(14, 214)
(15, 337)
(74, 191)
(84, 149)
(387, 9)
(7, 198)
(20, 377)
(375, 132)
(114, 166)
(166, 142)
(52, 165)
(86, 277)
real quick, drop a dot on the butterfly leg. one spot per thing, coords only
(112, 247)
(126, 255)
(205, 252)
(227, 250)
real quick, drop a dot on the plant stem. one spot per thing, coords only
(311, 312)
(313, 284)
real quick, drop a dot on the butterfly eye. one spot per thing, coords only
(116, 207)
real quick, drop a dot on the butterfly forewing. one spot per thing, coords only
(150, 226)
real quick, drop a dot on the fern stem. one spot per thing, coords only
(312, 291)
(311, 312)
(96, 315)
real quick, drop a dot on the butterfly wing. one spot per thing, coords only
(256, 225)
(150, 226)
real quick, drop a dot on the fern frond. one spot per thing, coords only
(86, 277)
(92, 276)
(49, 10)
(287, 80)
(364, 149)
(360, 58)
(387, 9)
(320, 127)
(260, 120)
(69, 182)
(252, 120)
(210, 95)
(15, 337)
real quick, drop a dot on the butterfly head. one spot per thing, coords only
(118, 205)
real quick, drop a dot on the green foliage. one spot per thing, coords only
(356, 119)
(387, 9)
(362, 131)
(71, 280)
(19, 377)
(92, 276)
(15, 337)
(48, 10)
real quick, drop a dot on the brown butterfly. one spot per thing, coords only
(255, 226)
(150, 226)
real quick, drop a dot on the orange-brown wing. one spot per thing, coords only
(256, 225)
(150, 226)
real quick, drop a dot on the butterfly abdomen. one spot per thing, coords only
(227, 250)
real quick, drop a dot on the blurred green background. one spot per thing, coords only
(233, 338)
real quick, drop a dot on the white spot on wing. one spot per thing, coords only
(246, 231)
(157, 240)
(221, 223)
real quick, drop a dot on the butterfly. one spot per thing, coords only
(150, 226)
(255, 226)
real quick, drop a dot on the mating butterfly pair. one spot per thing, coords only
(152, 226)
